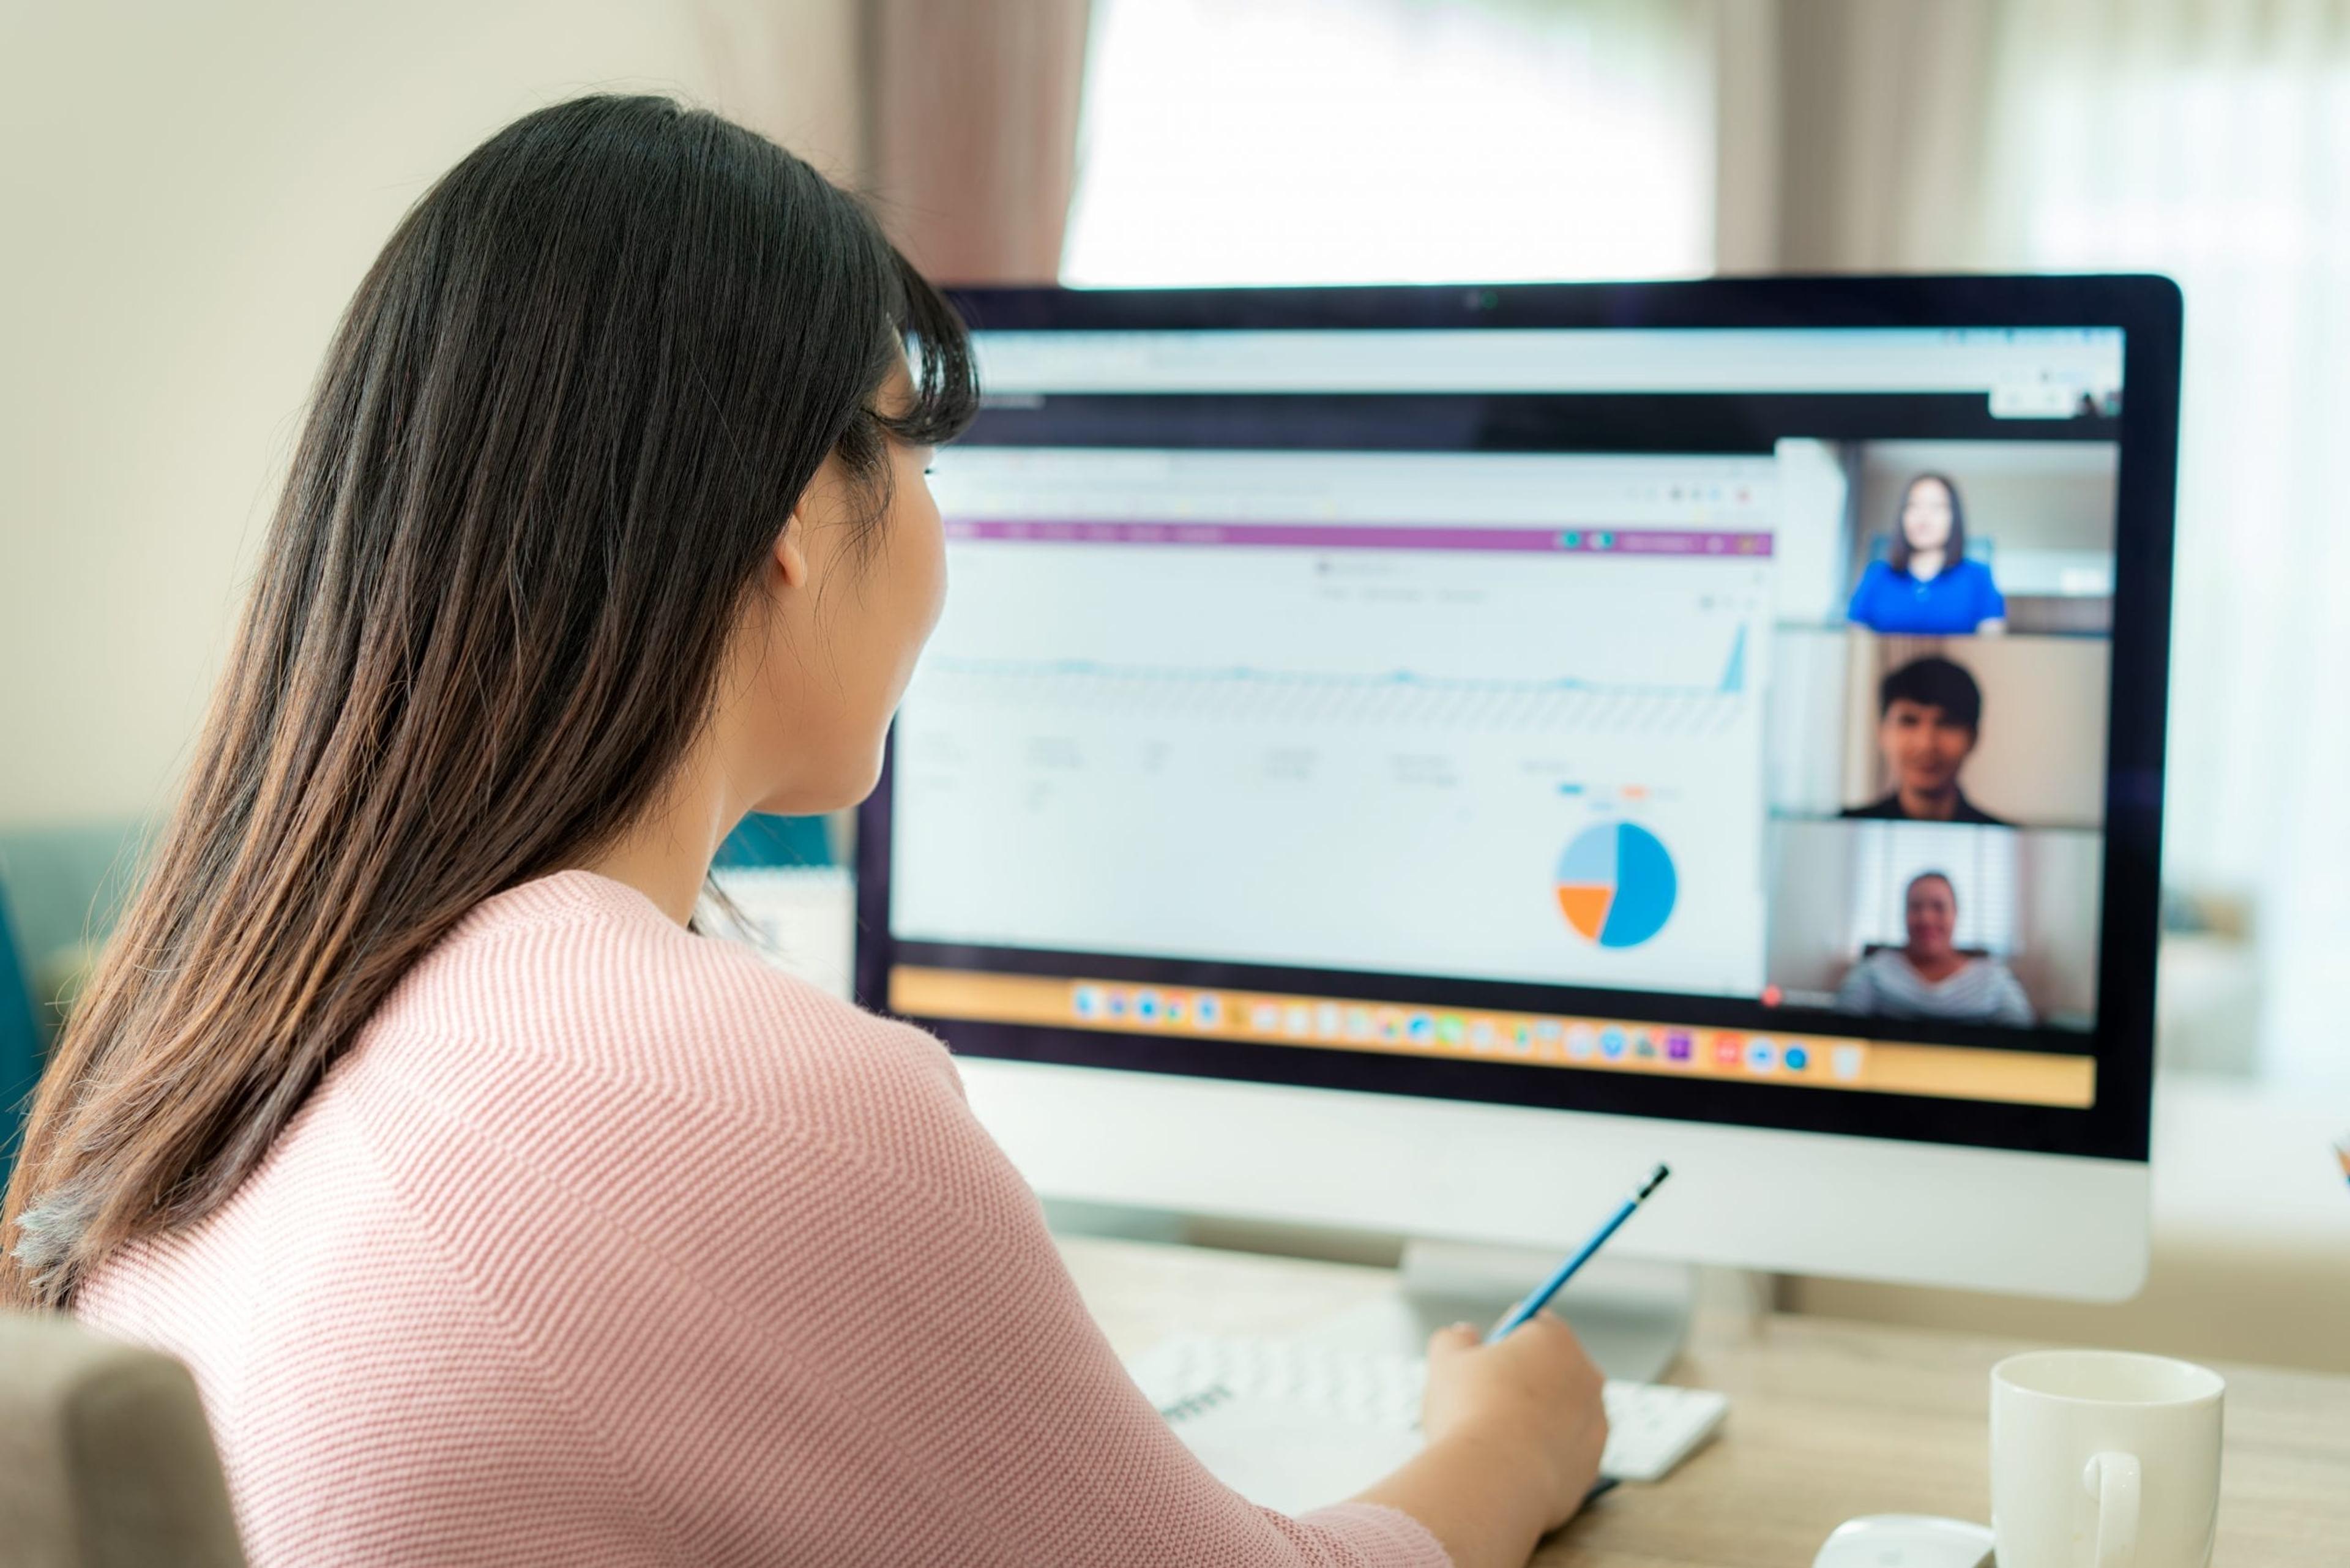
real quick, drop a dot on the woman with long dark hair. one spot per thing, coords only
(1927, 585)
(500, 1217)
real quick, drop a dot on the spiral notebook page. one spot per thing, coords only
(1288, 1452)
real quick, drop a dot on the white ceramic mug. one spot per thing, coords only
(2101, 1458)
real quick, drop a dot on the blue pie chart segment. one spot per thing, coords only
(1616, 885)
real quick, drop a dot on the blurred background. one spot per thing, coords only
(191, 192)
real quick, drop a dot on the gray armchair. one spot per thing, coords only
(105, 1459)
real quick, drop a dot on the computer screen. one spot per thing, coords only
(1715, 722)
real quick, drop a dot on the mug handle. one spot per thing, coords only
(2112, 1480)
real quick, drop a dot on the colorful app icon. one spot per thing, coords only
(1612, 1044)
(1481, 1034)
(1728, 1050)
(1264, 1017)
(1358, 1023)
(1208, 1009)
(1297, 1019)
(1422, 1029)
(1449, 1029)
(1845, 1062)
(1088, 1002)
(1644, 1046)
(1678, 1045)
(1115, 1004)
(1177, 1009)
(1581, 1041)
(1329, 1018)
(1761, 1055)
(1796, 1058)
(1146, 1006)
(1521, 1038)
(1390, 1024)
(1548, 1030)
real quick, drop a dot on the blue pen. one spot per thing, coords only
(1539, 1298)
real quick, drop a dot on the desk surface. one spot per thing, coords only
(1827, 1419)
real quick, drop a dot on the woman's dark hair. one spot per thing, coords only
(1955, 549)
(572, 406)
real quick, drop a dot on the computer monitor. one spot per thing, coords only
(1413, 758)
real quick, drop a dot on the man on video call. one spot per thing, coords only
(1929, 714)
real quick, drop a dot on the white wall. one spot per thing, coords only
(1809, 717)
(188, 196)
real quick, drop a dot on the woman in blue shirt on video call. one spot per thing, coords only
(1926, 586)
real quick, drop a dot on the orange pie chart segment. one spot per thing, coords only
(1585, 907)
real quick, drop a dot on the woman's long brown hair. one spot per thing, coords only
(570, 407)
(1954, 548)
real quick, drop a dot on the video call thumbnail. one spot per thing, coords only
(1937, 733)
(2005, 732)
(1941, 922)
(1969, 538)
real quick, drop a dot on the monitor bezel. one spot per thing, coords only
(2146, 309)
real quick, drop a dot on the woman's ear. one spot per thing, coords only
(792, 560)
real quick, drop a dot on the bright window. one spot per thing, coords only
(1230, 142)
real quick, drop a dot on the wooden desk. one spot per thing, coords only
(1827, 1419)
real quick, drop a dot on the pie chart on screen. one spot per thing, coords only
(1616, 884)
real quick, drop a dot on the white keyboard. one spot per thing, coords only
(1651, 1427)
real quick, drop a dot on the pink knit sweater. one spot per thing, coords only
(609, 1245)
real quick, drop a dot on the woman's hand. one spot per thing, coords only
(1514, 1430)
(1533, 1391)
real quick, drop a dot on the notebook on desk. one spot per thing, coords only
(1293, 1425)
(1287, 1443)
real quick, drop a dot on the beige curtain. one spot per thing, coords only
(789, 71)
(971, 131)
(1851, 134)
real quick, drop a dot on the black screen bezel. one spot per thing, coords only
(2146, 309)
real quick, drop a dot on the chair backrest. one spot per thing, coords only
(1870, 950)
(105, 1459)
